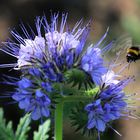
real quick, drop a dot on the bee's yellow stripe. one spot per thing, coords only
(133, 51)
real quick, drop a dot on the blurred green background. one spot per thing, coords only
(122, 16)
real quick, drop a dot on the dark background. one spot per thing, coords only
(122, 16)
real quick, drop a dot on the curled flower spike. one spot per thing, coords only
(92, 61)
(93, 65)
(96, 116)
(38, 103)
(33, 94)
(110, 104)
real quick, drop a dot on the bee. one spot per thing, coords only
(133, 54)
(124, 45)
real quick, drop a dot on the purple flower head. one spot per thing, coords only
(33, 94)
(37, 103)
(92, 63)
(110, 104)
(95, 116)
(58, 44)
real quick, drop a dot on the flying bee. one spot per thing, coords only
(133, 53)
(124, 45)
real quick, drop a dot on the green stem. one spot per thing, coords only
(59, 121)
(75, 98)
(59, 113)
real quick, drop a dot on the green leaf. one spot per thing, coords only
(42, 133)
(23, 128)
(6, 132)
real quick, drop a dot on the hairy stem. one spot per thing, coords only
(59, 113)
(59, 121)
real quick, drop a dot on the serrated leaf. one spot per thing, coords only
(42, 133)
(6, 132)
(23, 128)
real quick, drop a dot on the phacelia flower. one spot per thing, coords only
(110, 104)
(46, 57)
(92, 63)
(95, 116)
(56, 44)
(53, 58)
(32, 95)
(60, 47)
(36, 103)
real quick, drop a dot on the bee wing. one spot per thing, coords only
(122, 43)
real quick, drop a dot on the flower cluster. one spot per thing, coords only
(33, 94)
(110, 105)
(45, 58)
